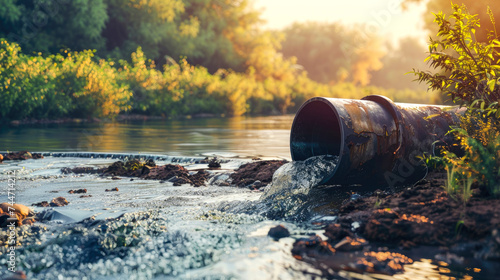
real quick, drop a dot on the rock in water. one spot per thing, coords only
(299, 177)
(278, 232)
(19, 209)
(58, 202)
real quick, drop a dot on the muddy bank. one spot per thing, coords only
(22, 155)
(381, 229)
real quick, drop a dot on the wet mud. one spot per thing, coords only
(256, 174)
(380, 230)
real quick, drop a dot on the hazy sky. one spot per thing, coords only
(383, 16)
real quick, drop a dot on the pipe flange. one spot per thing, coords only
(396, 115)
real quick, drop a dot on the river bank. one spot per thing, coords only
(381, 230)
(118, 118)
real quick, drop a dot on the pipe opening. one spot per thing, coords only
(315, 131)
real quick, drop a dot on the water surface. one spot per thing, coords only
(229, 137)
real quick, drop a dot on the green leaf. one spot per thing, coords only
(475, 102)
(491, 84)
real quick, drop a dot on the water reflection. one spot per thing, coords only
(426, 269)
(242, 136)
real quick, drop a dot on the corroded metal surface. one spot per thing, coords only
(378, 141)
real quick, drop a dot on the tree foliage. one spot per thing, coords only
(474, 73)
(68, 84)
(50, 25)
(76, 84)
(188, 57)
(469, 72)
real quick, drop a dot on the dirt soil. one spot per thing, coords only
(260, 171)
(421, 215)
(22, 155)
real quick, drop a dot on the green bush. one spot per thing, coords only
(92, 86)
(58, 86)
(470, 75)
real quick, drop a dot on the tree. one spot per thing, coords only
(49, 25)
(212, 33)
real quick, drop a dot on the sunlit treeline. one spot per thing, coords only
(73, 84)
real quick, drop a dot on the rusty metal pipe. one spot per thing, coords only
(378, 142)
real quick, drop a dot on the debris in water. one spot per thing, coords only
(44, 203)
(78, 191)
(214, 163)
(22, 155)
(16, 213)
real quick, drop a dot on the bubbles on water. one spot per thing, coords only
(136, 245)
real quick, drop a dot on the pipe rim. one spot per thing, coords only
(341, 131)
